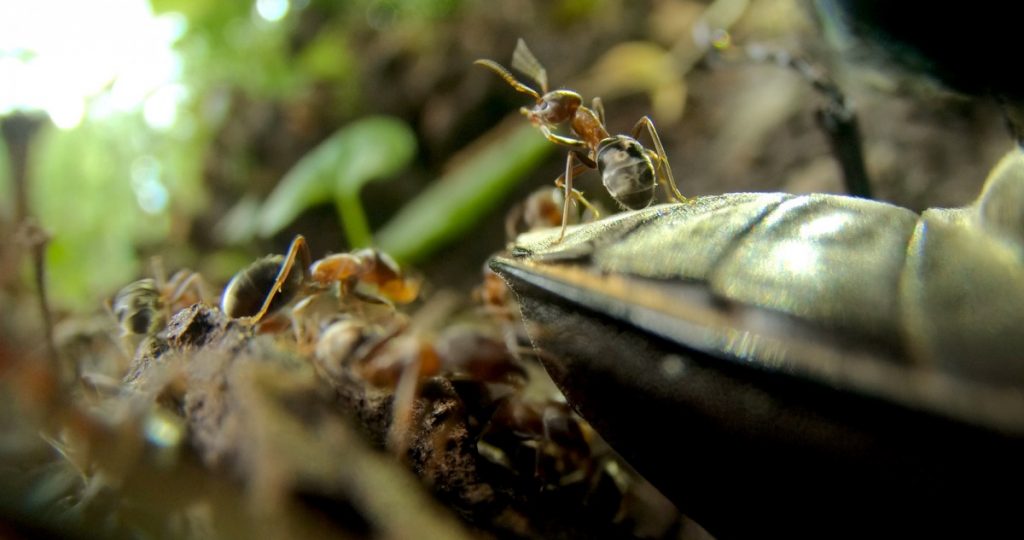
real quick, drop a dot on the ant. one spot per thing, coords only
(629, 171)
(143, 307)
(402, 355)
(543, 209)
(544, 442)
(269, 283)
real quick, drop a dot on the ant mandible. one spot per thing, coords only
(629, 171)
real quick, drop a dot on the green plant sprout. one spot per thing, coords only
(454, 203)
(366, 150)
(379, 147)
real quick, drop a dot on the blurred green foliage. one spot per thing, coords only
(114, 187)
(417, 9)
(227, 44)
(6, 194)
(453, 204)
(276, 117)
(84, 193)
(369, 149)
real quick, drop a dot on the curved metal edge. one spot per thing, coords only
(724, 437)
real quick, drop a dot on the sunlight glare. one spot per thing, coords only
(825, 225)
(798, 258)
(272, 10)
(150, 191)
(56, 55)
(161, 108)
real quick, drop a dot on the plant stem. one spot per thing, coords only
(353, 219)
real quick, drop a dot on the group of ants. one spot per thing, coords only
(345, 308)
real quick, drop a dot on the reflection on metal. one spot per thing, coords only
(854, 351)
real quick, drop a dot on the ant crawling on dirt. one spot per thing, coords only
(404, 354)
(629, 171)
(269, 283)
(143, 307)
(543, 442)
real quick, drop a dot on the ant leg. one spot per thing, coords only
(585, 160)
(156, 267)
(569, 170)
(570, 193)
(671, 190)
(166, 287)
(182, 282)
(575, 144)
(577, 195)
(598, 107)
(404, 401)
(298, 247)
(304, 317)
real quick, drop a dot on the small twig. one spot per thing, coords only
(32, 236)
(1014, 114)
(18, 130)
(837, 117)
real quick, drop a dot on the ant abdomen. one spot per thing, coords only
(246, 292)
(626, 172)
(137, 307)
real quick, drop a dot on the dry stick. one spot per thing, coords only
(36, 238)
(1014, 115)
(18, 130)
(837, 117)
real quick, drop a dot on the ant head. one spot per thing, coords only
(554, 107)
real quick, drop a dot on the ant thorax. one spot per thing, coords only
(626, 171)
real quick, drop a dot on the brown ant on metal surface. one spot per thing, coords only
(543, 209)
(629, 171)
(269, 283)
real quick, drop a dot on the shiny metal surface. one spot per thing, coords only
(865, 357)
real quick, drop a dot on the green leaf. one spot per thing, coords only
(453, 204)
(328, 57)
(369, 149)
(193, 9)
(83, 192)
(6, 190)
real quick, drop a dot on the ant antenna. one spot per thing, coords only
(509, 78)
(524, 61)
